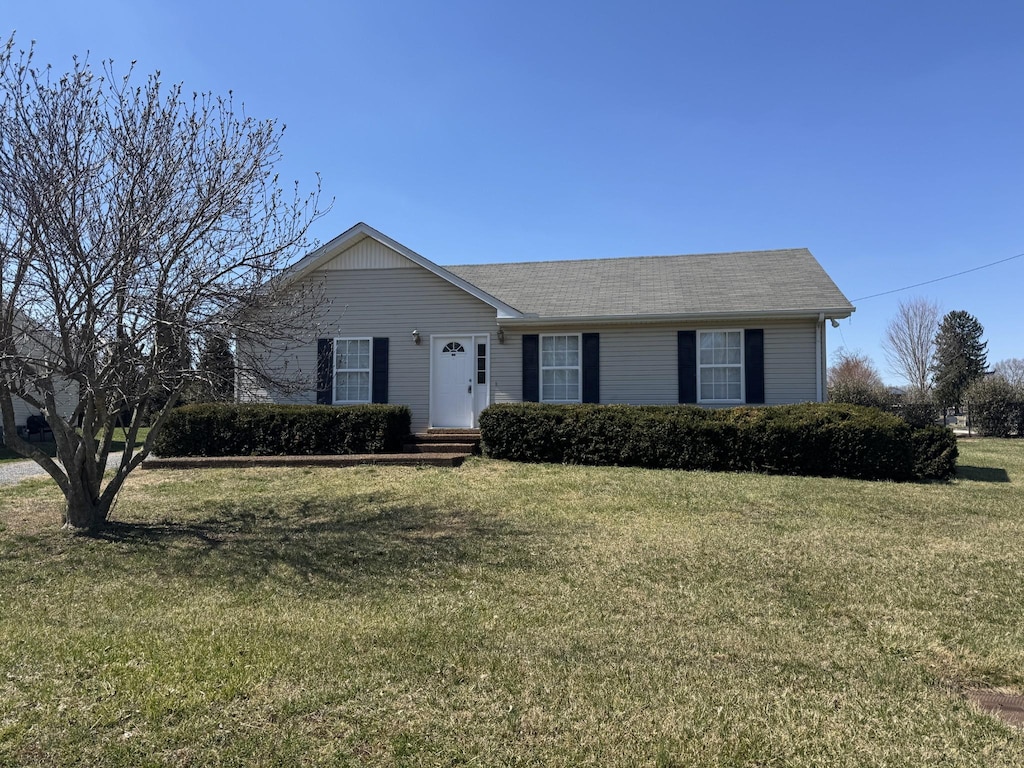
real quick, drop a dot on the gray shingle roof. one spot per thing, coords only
(783, 281)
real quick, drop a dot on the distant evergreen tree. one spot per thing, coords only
(217, 369)
(173, 353)
(960, 357)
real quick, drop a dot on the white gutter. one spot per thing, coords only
(525, 320)
(819, 343)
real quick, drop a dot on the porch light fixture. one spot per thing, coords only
(835, 323)
(415, 337)
(501, 335)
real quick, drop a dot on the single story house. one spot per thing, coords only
(716, 330)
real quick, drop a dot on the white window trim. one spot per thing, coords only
(335, 371)
(579, 366)
(742, 366)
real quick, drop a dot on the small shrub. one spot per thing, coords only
(996, 407)
(810, 439)
(860, 393)
(918, 409)
(282, 430)
(935, 452)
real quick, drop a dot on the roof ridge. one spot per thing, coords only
(607, 259)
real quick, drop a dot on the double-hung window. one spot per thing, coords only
(352, 370)
(720, 366)
(560, 368)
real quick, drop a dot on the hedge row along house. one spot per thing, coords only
(716, 330)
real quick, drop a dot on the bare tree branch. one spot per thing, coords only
(135, 223)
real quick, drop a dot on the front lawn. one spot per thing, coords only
(512, 614)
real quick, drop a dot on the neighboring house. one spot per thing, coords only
(712, 329)
(32, 341)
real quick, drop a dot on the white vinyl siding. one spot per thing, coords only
(65, 391)
(352, 370)
(66, 395)
(368, 254)
(639, 362)
(789, 363)
(560, 369)
(720, 366)
(388, 303)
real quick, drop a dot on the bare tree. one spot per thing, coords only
(853, 368)
(135, 220)
(909, 342)
(853, 378)
(1011, 369)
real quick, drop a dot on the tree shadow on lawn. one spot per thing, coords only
(982, 474)
(359, 540)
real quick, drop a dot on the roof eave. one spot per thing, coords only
(829, 313)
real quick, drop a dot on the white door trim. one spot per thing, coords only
(481, 393)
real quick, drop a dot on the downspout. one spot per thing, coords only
(819, 355)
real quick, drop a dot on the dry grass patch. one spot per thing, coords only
(512, 614)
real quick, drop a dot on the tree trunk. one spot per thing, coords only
(86, 509)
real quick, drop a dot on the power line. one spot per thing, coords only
(938, 279)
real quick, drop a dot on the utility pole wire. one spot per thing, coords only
(938, 279)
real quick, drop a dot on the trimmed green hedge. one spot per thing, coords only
(996, 407)
(997, 418)
(918, 411)
(216, 429)
(824, 439)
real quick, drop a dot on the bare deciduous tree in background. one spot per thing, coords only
(853, 368)
(909, 341)
(1011, 369)
(853, 378)
(135, 222)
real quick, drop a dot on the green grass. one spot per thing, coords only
(50, 448)
(47, 447)
(505, 614)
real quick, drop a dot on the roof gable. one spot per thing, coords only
(350, 250)
(366, 253)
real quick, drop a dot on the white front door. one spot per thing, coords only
(452, 381)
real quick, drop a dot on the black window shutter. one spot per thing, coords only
(379, 366)
(686, 341)
(753, 363)
(531, 368)
(324, 371)
(591, 368)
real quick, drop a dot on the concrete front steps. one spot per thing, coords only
(433, 448)
(453, 441)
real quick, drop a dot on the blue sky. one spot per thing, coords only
(886, 137)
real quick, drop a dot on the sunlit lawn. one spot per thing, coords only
(504, 614)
